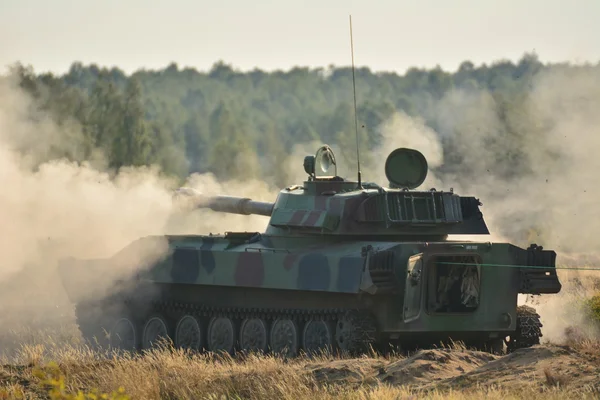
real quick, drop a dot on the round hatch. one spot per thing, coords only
(406, 168)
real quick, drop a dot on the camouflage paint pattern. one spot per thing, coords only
(331, 247)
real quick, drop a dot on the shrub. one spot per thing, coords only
(52, 377)
(593, 306)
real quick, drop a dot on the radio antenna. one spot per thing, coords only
(355, 112)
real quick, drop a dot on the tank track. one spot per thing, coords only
(528, 332)
(359, 334)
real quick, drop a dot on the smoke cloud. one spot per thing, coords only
(565, 315)
(52, 209)
(534, 165)
(531, 162)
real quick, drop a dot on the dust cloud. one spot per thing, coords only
(52, 209)
(533, 164)
(564, 314)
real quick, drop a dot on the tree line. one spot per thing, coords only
(185, 121)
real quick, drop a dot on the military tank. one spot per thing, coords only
(341, 266)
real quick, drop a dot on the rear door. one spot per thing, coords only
(413, 288)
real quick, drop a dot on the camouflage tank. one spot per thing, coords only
(342, 265)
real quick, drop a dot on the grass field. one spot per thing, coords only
(46, 358)
(55, 363)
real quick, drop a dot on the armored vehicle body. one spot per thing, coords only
(342, 265)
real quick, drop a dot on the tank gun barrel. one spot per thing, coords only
(239, 205)
(227, 204)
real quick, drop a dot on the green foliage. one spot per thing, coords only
(53, 379)
(243, 125)
(593, 307)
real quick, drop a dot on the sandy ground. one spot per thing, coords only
(538, 366)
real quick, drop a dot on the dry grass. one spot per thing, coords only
(170, 374)
(28, 355)
(554, 379)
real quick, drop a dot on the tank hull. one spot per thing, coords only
(247, 291)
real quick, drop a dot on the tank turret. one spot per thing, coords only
(328, 204)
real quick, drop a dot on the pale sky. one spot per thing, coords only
(390, 35)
